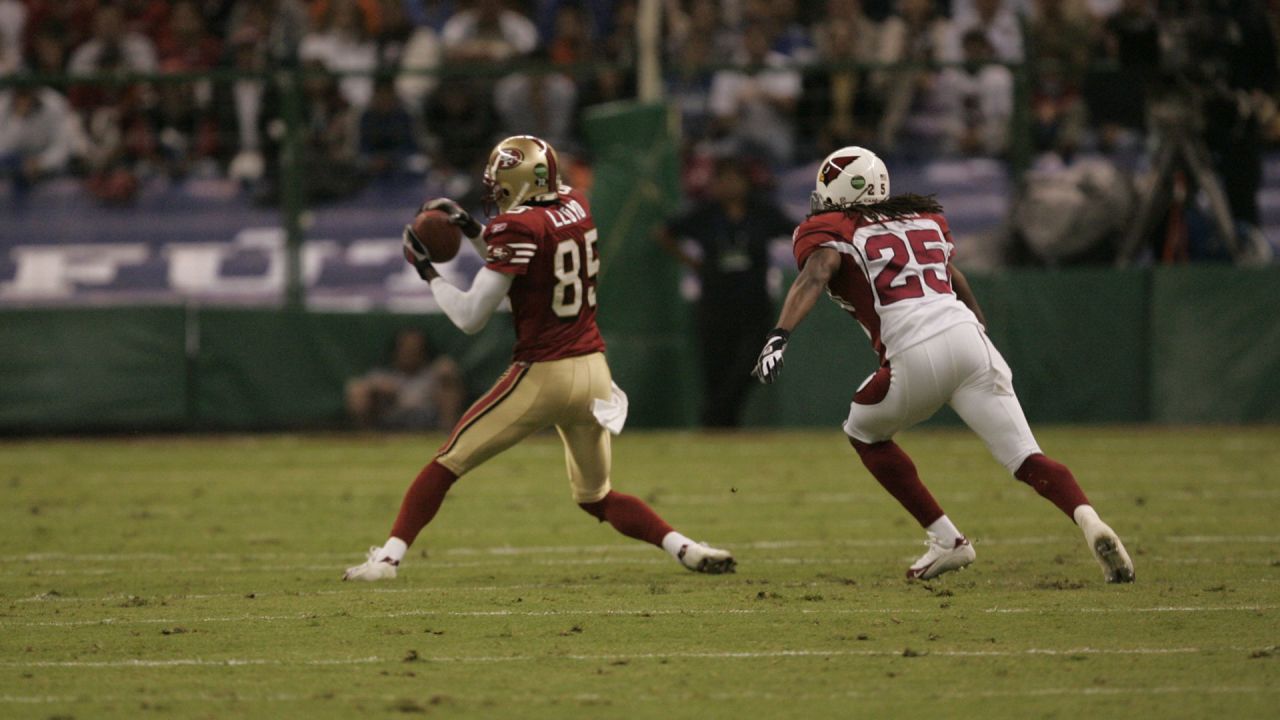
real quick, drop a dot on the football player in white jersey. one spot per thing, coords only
(887, 262)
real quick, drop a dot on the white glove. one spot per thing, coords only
(769, 364)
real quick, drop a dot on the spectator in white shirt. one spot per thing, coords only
(978, 99)
(488, 32)
(756, 104)
(113, 47)
(343, 45)
(996, 20)
(35, 139)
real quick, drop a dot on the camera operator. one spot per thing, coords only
(1226, 50)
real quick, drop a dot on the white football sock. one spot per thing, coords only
(945, 531)
(393, 549)
(1085, 514)
(673, 541)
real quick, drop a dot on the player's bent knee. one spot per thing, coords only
(1039, 464)
(596, 508)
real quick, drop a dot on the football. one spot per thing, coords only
(440, 236)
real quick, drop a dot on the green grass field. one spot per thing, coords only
(200, 578)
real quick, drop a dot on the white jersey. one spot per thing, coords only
(893, 276)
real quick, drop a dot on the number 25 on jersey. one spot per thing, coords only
(911, 261)
(575, 274)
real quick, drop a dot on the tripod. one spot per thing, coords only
(1179, 126)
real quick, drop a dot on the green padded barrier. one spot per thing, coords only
(1216, 345)
(266, 369)
(92, 369)
(644, 321)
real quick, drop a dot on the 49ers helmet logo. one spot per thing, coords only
(832, 168)
(509, 157)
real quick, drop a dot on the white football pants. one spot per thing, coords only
(958, 366)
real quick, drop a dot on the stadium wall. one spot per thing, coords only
(1178, 345)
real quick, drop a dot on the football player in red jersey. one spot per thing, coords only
(887, 262)
(540, 251)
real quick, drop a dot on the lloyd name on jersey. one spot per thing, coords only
(551, 250)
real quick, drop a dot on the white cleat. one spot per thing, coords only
(373, 568)
(701, 557)
(940, 558)
(1110, 552)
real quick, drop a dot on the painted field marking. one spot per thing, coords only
(605, 657)
(240, 699)
(639, 613)
(505, 550)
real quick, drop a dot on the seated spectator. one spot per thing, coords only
(13, 23)
(13, 20)
(187, 139)
(47, 50)
(147, 17)
(838, 109)
(978, 99)
(120, 143)
(394, 31)
(386, 132)
(332, 139)
(1117, 100)
(570, 37)
(541, 104)
(417, 392)
(112, 46)
(914, 36)
(756, 105)
(35, 139)
(698, 19)
(184, 43)
(240, 103)
(460, 122)
(70, 21)
(996, 20)
(488, 32)
(688, 86)
(1059, 45)
(112, 49)
(793, 39)
(342, 44)
(421, 54)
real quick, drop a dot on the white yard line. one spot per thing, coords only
(907, 540)
(638, 613)
(609, 657)
(239, 699)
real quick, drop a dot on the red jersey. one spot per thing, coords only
(893, 277)
(550, 249)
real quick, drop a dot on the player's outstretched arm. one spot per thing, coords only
(808, 287)
(961, 285)
(471, 310)
(804, 293)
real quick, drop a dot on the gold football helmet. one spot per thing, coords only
(521, 168)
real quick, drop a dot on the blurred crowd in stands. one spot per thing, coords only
(422, 87)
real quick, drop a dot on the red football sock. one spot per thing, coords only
(897, 474)
(422, 500)
(1054, 482)
(630, 516)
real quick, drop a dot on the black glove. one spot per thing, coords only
(456, 214)
(769, 364)
(415, 253)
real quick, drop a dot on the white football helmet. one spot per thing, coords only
(849, 176)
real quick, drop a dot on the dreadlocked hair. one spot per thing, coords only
(895, 208)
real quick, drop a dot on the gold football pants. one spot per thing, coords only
(532, 396)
